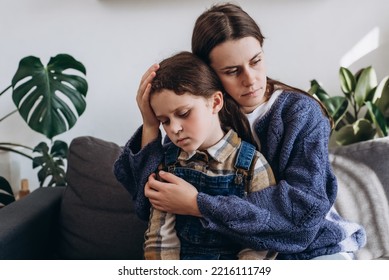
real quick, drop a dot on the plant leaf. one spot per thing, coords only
(337, 107)
(366, 81)
(51, 163)
(6, 199)
(59, 149)
(6, 193)
(318, 91)
(5, 186)
(359, 131)
(48, 99)
(381, 96)
(347, 81)
(378, 119)
(41, 148)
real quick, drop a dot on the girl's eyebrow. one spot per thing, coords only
(235, 66)
(182, 107)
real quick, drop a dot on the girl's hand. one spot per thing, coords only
(150, 122)
(174, 195)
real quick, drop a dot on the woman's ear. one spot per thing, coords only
(217, 101)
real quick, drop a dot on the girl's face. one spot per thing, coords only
(241, 68)
(191, 122)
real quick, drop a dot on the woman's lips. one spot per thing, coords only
(251, 93)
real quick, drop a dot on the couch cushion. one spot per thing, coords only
(362, 170)
(97, 216)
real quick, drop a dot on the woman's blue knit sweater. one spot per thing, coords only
(296, 217)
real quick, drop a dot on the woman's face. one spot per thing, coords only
(241, 68)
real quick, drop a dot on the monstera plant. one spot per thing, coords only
(362, 113)
(6, 193)
(50, 99)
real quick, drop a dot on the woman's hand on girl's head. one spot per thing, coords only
(143, 98)
(150, 128)
(174, 195)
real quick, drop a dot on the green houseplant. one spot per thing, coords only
(6, 193)
(50, 99)
(362, 113)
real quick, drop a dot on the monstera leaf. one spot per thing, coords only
(6, 193)
(51, 162)
(48, 99)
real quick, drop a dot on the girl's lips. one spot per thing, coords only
(180, 140)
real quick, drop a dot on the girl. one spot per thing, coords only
(292, 130)
(186, 97)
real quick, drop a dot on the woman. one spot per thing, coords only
(296, 217)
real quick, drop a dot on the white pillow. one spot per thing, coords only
(362, 170)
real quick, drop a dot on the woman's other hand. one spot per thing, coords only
(173, 195)
(150, 122)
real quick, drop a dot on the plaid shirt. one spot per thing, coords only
(161, 239)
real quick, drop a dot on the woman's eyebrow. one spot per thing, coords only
(228, 67)
(235, 66)
(256, 55)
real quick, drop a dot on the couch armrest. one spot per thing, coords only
(29, 227)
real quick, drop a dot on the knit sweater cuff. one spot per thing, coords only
(134, 145)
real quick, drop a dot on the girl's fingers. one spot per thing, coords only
(170, 178)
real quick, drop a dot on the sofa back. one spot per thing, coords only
(97, 216)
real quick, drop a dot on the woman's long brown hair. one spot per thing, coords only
(224, 22)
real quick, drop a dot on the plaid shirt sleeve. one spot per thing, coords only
(263, 175)
(161, 241)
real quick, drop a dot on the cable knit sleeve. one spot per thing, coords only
(286, 217)
(134, 166)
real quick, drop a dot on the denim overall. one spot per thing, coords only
(197, 242)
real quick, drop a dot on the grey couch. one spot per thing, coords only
(93, 217)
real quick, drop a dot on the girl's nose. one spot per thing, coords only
(175, 127)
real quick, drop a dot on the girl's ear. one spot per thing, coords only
(217, 101)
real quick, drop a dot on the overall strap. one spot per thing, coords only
(245, 156)
(243, 161)
(171, 154)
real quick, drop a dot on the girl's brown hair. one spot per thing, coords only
(187, 73)
(224, 22)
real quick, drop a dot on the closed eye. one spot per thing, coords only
(256, 61)
(164, 121)
(183, 114)
(231, 71)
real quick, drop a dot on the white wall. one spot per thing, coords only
(118, 39)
